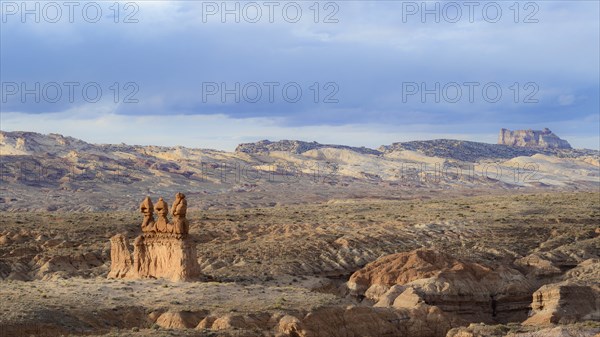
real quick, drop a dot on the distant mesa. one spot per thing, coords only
(532, 138)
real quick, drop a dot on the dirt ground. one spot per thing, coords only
(268, 260)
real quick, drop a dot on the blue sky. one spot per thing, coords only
(367, 60)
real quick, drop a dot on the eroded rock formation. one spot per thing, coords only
(564, 303)
(147, 208)
(121, 261)
(426, 278)
(179, 225)
(532, 138)
(164, 250)
(369, 322)
(481, 330)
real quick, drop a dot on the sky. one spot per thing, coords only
(364, 73)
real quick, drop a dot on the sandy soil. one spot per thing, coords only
(270, 260)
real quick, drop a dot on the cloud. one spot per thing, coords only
(566, 99)
(215, 131)
(225, 133)
(369, 55)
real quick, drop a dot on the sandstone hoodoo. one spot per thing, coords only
(532, 138)
(164, 250)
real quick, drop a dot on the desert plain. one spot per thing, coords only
(361, 255)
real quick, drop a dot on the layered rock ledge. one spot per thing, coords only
(429, 278)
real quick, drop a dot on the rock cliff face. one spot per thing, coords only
(532, 138)
(155, 255)
(564, 303)
(121, 261)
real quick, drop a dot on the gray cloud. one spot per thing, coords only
(368, 55)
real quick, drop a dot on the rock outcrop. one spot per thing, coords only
(564, 303)
(467, 151)
(164, 250)
(426, 278)
(481, 330)
(162, 225)
(296, 146)
(121, 261)
(178, 319)
(155, 255)
(532, 138)
(367, 322)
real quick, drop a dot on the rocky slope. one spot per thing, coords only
(296, 147)
(467, 151)
(52, 172)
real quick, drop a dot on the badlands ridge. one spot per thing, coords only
(49, 172)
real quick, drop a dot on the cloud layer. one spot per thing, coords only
(383, 69)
